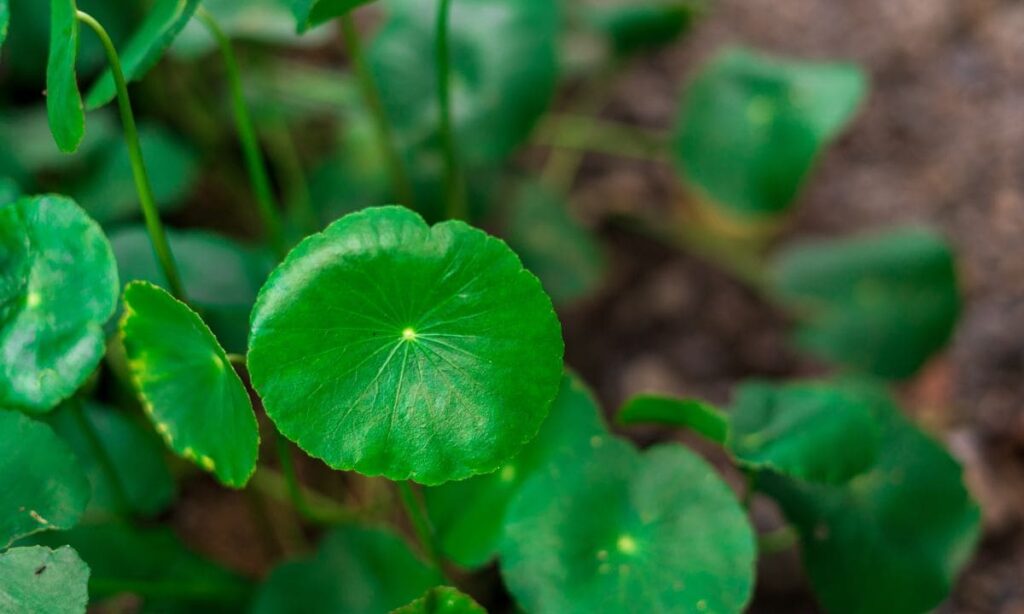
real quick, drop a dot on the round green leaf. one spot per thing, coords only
(810, 431)
(752, 125)
(58, 286)
(44, 488)
(355, 570)
(469, 515)
(702, 417)
(620, 529)
(442, 600)
(43, 581)
(892, 539)
(187, 385)
(883, 303)
(394, 348)
(63, 99)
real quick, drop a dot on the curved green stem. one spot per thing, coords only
(254, 162)
(372, 100)
(421, 525)
(131, 135)
(455, 194)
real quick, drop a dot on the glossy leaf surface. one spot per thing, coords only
(751, 127)
(63, 99)
(702, 417)
(442, 600)
(394, 348)
(187, 385)
(40, 580)
(355, 570)
(622, 528)
(311, 13)
(58, 286)
(469, 515)
(883, 304)
(44, 488)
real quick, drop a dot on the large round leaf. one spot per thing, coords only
(891, 539)
(39, 580)
(58, 286)
(620, 530)
(469, 515)
(187, 385)
(43, 486)
(355, 570)
(398, 349)
(442, 600)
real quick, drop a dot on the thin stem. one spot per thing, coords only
(285, 156)
(372, 100)
(284, 456)
(455, 193)
(131, 135)
(572, 135)
(421, 525)
(267, 204)
(106, 463)
(322, 509)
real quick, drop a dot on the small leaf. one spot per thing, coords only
(37, 579)
(563, 253)
(206, 417)
(809, 431)
(469, 515)
(634, 27)
(892, 539)
(63, 100)
(394, 348)
(58, 286)
(442, 600)
(883, 304)
(44, 488)
(620, 528)
(312, 13)
(355, 570)
(702, 417)
(752, 125)
(5, 18)
(164, 22)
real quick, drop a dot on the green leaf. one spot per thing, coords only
(63, 100)
(634, 27)
(5, 18)
(225, 293)
(469, 515)
(187, 385)
(58, 286)
(442, 600)
(143, 50)
(892, 539)
(43, 581)
(136, 457)
(44, 488)
(154, 564)
(355, 570)
(563, 253)
(752, 126)
(808, 430)
(620, 528)
(312, 13)
(265, 21)
(504, 73)
(394, 348)
(880, 303)
(10, 191)
(702, 417)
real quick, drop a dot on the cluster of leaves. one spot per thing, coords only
(389, 346)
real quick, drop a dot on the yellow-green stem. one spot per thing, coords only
(421, 525)
(454, 183)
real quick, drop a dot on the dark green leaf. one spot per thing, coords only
(553, 245)
(620, 528)
(702, 417)
(752, 125)
(311, 13)
(58, 286)
(355, 570)
(63, 100)
(892, 539)
(187, 385)
(43, 581)
(633, 27)
(442, 600)
(164, 22)
(394, 348)
(5, 18)
(469, 515)
(44, 488)
(881, 303)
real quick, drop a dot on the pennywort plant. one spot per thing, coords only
(404, 343)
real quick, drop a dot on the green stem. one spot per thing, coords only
(421, 526)
(778, 540)
(455, 193)
(372, 100)
(572, 135)
(106, 463)
(285, 156)
(284, 456)
(256, 165)
(322, 509)
(131, 134)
